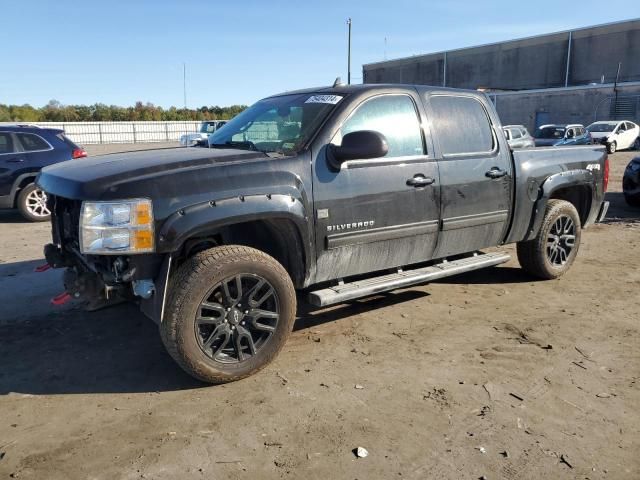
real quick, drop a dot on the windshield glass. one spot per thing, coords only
(276, 125)
(549, 132)
(601, 127)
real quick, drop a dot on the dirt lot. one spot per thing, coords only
(488, 373)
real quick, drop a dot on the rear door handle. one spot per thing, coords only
(495, 172)
(15, 159)
(420, 181)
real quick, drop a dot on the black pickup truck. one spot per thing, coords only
(338, 192)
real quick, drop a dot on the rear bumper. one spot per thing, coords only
(604, 207)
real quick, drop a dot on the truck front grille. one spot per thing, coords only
(65, 221)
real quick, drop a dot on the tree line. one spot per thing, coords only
(54, 111)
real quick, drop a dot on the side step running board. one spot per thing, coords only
(370, 286)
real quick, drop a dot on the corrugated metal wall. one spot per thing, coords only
(578, 57)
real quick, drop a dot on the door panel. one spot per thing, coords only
(475, 175)
(382, 213)
(11, 160)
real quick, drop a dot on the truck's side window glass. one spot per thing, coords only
(6, 144)
(395, 117)
(461, 125)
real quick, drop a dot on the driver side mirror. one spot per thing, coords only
(360, 145)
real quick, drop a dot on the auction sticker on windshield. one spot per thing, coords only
(331, 99)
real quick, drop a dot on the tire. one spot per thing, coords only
(31, 204)
(612, 147)
(636, 144)
(632, 201)
(543, 260)
(215, 348)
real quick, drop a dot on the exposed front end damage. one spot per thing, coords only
(98, 280)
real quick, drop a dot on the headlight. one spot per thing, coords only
(634, 166)
(110, 228)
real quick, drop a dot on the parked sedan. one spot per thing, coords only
(616, 135)
(561, 135)
(24, 151)
(518, 136)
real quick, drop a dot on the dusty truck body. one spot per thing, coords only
(337, 193)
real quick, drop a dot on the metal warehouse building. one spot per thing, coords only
(561, 77)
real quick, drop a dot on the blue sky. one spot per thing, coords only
(118, 52)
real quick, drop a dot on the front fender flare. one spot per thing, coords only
(205, 217)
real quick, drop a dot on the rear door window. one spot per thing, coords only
(6, 143)
(516, 133)
(461, 125)
(32, 143)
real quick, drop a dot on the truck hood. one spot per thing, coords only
(91, 178)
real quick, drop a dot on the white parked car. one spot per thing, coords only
(518, 136)
(206, 128)
(615, 134)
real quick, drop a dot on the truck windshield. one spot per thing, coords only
(549, 132)
(280, 125)
(601, 127)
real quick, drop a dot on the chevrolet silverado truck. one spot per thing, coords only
(336, 193)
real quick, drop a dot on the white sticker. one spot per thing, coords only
(331, 99)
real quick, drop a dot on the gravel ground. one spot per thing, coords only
(489, 373)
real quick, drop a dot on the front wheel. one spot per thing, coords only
(636, 144)
(32, 204)
(552, 252)
(229, 312)
(612, 147)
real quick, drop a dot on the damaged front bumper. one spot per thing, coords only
(106, 281)
(103, 280)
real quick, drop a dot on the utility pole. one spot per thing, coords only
(184, 83)
(349, 54)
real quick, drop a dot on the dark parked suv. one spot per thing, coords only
(24, 151)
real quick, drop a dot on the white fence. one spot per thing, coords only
(122, 132)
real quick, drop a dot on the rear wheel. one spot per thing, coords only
(636, 144)
(552, 252)
(229, 312)
(612, 147)
(32, 204)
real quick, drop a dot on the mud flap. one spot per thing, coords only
(154, 306)
(603, 211)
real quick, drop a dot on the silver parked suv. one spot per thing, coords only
(518, 136)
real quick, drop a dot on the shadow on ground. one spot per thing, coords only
(118, 350)
(619, 210)
(11, 216)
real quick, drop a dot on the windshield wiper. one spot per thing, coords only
(245, 145)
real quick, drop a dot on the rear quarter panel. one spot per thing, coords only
(541, 171)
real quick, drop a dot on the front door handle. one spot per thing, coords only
(495, 172)
(15, 159)
(420, 181)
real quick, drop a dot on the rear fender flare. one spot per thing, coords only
(553, 183)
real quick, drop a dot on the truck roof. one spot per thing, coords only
(347, 89)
